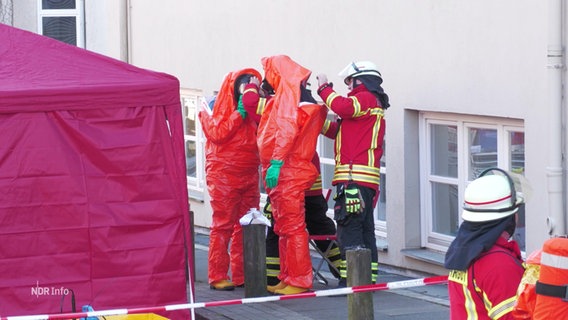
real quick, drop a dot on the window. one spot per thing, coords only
(194, 142)
(456, 150)
(62, 20)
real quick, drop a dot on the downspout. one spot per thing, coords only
(556, 220)
(127, 42)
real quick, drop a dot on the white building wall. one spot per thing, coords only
(106, 29)
(480, 58)
(25, 14)
(465, 57)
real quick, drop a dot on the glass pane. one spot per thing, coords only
(327, 171)
(483, 150)
(382, 203)
(384, 156)
(61, 28)
(189, 111)
(517, 148)
(445, 209)
(327, 144)
(190, 158)
(443, 151)
(58, 4)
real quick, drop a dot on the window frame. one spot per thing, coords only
(78, 13)
(429, 238)
(195, 185)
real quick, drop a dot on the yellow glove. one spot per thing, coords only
(353, 201)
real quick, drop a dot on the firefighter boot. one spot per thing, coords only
(291, 290)
(280, 285)
(224, 285)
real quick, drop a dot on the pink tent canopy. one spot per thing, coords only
(93, 194)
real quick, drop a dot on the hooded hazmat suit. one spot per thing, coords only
(231, 168)
(288, 132)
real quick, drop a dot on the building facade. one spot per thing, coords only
(471, 84)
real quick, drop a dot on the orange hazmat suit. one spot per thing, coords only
(232, 174)
(288, 132)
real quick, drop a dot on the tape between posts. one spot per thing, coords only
(196, 305)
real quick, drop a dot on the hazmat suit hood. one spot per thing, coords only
(278, 126)
(226, 101)
(231, 140)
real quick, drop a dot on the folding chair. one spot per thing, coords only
(323, 254)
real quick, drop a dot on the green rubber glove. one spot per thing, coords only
(273, 172)
(353, 200)
(241, 107)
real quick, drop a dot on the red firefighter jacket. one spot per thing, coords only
(358, 136)
(488, 288)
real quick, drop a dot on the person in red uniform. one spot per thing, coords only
(485, 264)
(317, 221)
(287, 138)
(231, 168)
(358, 135)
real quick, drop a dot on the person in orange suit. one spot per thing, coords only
(287, 137)
(232, 175)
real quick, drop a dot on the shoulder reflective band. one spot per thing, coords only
(555, 261)
(458, 276)
(552, 290)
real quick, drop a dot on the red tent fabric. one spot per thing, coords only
(93, 193)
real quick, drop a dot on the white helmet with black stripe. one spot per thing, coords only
(359, 68)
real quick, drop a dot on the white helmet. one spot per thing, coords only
(490, 197)
(360, 68)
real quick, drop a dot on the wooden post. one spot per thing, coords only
(359, 305)
(254, 255)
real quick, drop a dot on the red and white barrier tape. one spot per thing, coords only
(311, 294)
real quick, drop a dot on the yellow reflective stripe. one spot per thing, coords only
(378, 113)
(356, 107)
(338, 141)
(326, 125)
(374, 271)
(358, 172)
(317, 184)
(273, 260)
(502, 308)
(330, 99)
(335, 257)
(272, 273)
(355, 177)
(260, 106)
(343, 269)
(469, 305)
(359, 168)
(486, 301)
(458, 276)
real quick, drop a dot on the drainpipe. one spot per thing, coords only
(556, 220)
(128, 31)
